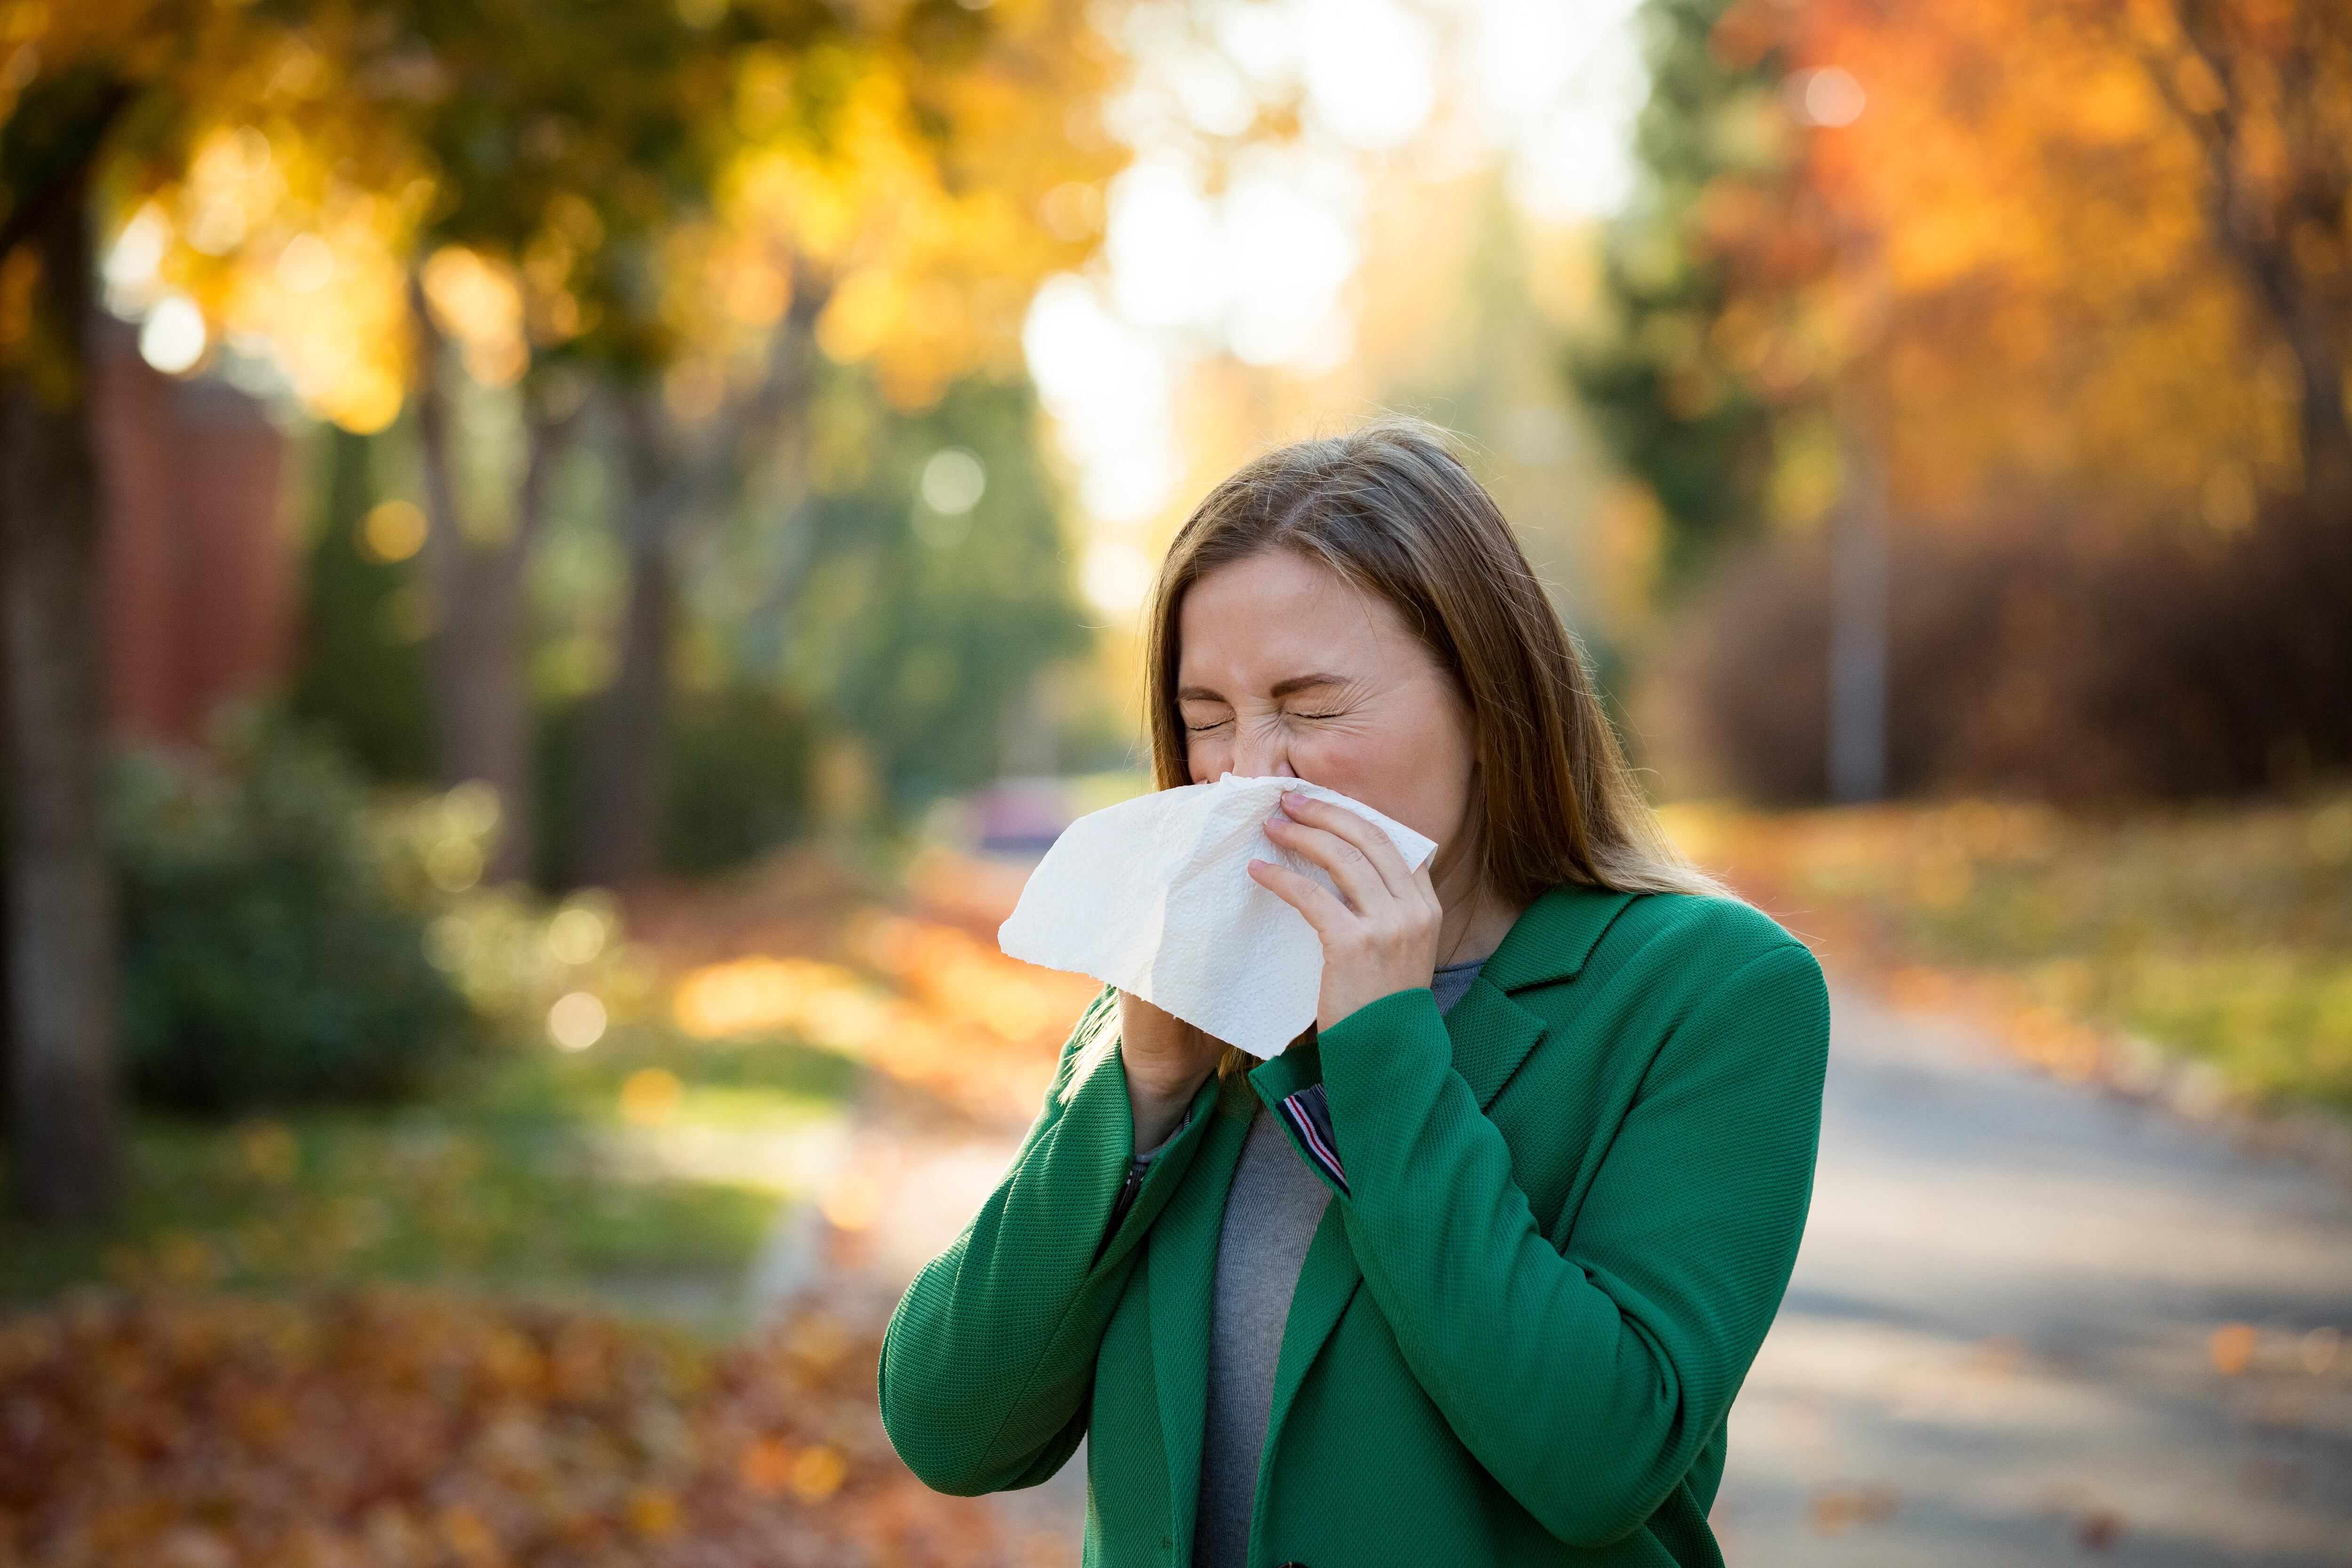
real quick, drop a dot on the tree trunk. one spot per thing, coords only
(618, 826)
(767, 629)
(1858, 620)
(1856, 764)
(620, 761)
(64, 1138)
(477, 663)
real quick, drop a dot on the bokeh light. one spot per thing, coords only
(173, 337)
(393, 530)
(576, 1021)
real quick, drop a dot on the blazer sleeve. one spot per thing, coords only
(989, 1357)
(1624, 1345)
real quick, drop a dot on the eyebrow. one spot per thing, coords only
(1296, 683)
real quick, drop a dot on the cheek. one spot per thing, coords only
(1380, 769)
(1416, 770)
(1206, 757)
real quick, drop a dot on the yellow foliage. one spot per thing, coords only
(477, 303)
(299, 200)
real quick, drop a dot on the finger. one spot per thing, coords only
(1357, 879)
(1368, 840)
(1323, 910)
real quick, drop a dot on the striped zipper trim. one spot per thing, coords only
(1309, 1116)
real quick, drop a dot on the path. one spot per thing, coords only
(1999, 1347)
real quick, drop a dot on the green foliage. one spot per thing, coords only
(264, 962)
(734, 778)
(360, 674)
(920, 630)
(739, 778)
(1692, 427)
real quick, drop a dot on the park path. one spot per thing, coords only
(2034, 1322)
(2031, 1323)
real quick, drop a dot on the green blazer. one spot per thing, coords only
(1570, 1208)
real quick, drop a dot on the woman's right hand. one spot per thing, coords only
(1166, 1058)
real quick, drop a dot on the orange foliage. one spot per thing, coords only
(2077, 249)
(917, 993)
(387, 1428)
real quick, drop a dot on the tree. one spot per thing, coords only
(2084, 259)
(491, 206)
(2263, 91)
(2111, 240)
(67, 90)
(64, 1163)
(1698, 429)
(886, 206)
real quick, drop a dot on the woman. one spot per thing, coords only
(1471, 1273)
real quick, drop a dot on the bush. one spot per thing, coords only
(732, 783)
(738, 780)
(2048, 661)
(264, 961)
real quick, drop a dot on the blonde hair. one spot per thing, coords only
(1390, 509)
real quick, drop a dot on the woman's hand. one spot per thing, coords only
(1166, 1058)
(1380, 935)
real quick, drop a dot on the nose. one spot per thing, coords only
(1264, 757)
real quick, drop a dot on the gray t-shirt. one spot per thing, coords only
(1272, 1210)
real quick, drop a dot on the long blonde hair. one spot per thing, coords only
(1391, 509)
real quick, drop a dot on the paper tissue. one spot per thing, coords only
(1153, 896)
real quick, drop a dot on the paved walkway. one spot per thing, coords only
(2006, 1340)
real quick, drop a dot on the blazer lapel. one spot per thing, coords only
(1182, 1261)
(1492, 1036)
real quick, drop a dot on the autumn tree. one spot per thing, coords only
(2091, 254)
(889, 205)
(248, 122)
(1698, 430)
(514, 215)
(74, 82)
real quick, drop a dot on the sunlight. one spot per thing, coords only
(1256, 252)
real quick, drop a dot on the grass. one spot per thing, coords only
(2220, 933)
(544, 1169)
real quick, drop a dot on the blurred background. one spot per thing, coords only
(558, 563)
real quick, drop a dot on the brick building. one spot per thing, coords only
(202, 574)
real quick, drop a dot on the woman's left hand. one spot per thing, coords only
(1380, 935)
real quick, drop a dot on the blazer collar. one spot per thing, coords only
(1553, 936)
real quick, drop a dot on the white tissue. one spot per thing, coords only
(1154, 895)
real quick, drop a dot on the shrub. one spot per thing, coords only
(265, 961)
(738, 779)
(2048, 661)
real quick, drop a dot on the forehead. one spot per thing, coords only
(1272, 615)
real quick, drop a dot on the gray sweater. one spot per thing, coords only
(1271, 1213)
